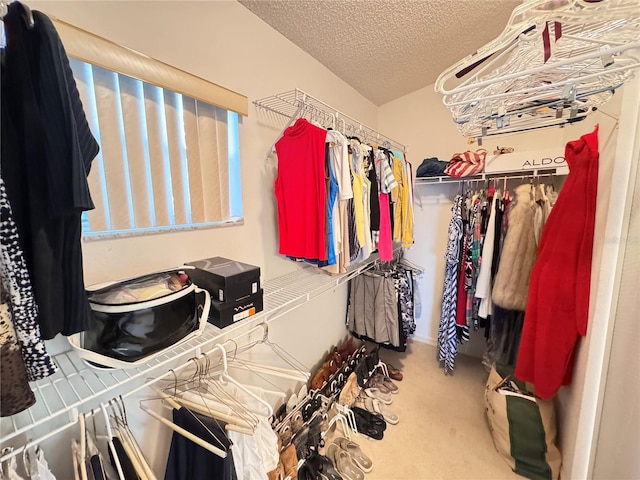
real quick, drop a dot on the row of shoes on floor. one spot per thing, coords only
(351, 377)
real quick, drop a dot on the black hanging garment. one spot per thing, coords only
(188, 461)
(47, 150)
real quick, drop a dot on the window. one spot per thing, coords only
(166, 160)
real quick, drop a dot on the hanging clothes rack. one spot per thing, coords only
(541, 172)
(294, 104)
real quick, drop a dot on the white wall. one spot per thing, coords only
(422, 122)
(223, 42)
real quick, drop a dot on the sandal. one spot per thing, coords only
(344, 464)
(379, 380)
(378, 395)
(357, 455)
(381, 408)
(324, 467)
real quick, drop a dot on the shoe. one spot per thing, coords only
(299, 441)
(334, 355)
(319, 378)
(289, 460)
(370, 424)
(357, 455)
(344, 464)
(379, 395)
(379, 380)
(376, 406)
(292, 402)
(347, 349)
(302, 393)
(280, 414)
(372, 359)
(277, 473)
(285, 434)
(394, 373)
(350, 391)
(376, 382)
(324, 466)
(362, 372)
(296, 422)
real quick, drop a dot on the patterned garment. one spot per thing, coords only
(472, 266)
(15, 394)
(354, 245)
(447, 338)
(403, 283)
(16, 281)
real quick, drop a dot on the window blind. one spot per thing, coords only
(164, 158)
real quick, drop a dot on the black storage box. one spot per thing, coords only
(223, 314)
(226, 280)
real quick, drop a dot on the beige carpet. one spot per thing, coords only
(442, 432)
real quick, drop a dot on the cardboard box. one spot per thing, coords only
(225, 279)
(223, 314)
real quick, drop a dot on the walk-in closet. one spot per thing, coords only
(319, 240)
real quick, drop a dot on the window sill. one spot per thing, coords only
(90, 237)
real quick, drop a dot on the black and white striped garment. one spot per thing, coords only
(447, 338)
(15, 279)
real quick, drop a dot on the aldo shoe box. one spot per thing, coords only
(223, 314)
(225, 279)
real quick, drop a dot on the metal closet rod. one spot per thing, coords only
(538, 172)
(148, 383)
(293, 103)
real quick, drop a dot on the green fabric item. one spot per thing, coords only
(527, 435)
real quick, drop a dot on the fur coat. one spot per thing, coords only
(518, 255)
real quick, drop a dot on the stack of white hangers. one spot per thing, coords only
(556, 61)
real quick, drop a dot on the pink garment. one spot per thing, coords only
(385, 244)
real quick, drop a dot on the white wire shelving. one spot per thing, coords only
(294, 104)
(77, 387)
(485, 176)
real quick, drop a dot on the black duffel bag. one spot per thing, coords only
(135, 320)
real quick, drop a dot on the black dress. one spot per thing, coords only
(47, 150)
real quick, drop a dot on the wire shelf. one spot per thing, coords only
(539, 172)
(296, 103)
(77, 387)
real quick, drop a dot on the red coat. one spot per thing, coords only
(558, 301)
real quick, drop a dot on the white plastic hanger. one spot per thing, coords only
(298, 372)
(112, 448)
(128, 441)
(185, 433)
(218, 404)
(226, 377)
(510, 85)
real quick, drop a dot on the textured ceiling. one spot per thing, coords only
(386, 48)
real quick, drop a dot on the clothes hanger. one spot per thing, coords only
(111, 446)
(83, 447)
(532, 15)
(221, 452)
(588, 38)
(298, 372)
(225, 403)
(226, 377)
(217, 405)
(128, 443)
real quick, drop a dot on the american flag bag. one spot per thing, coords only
(467, 163)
